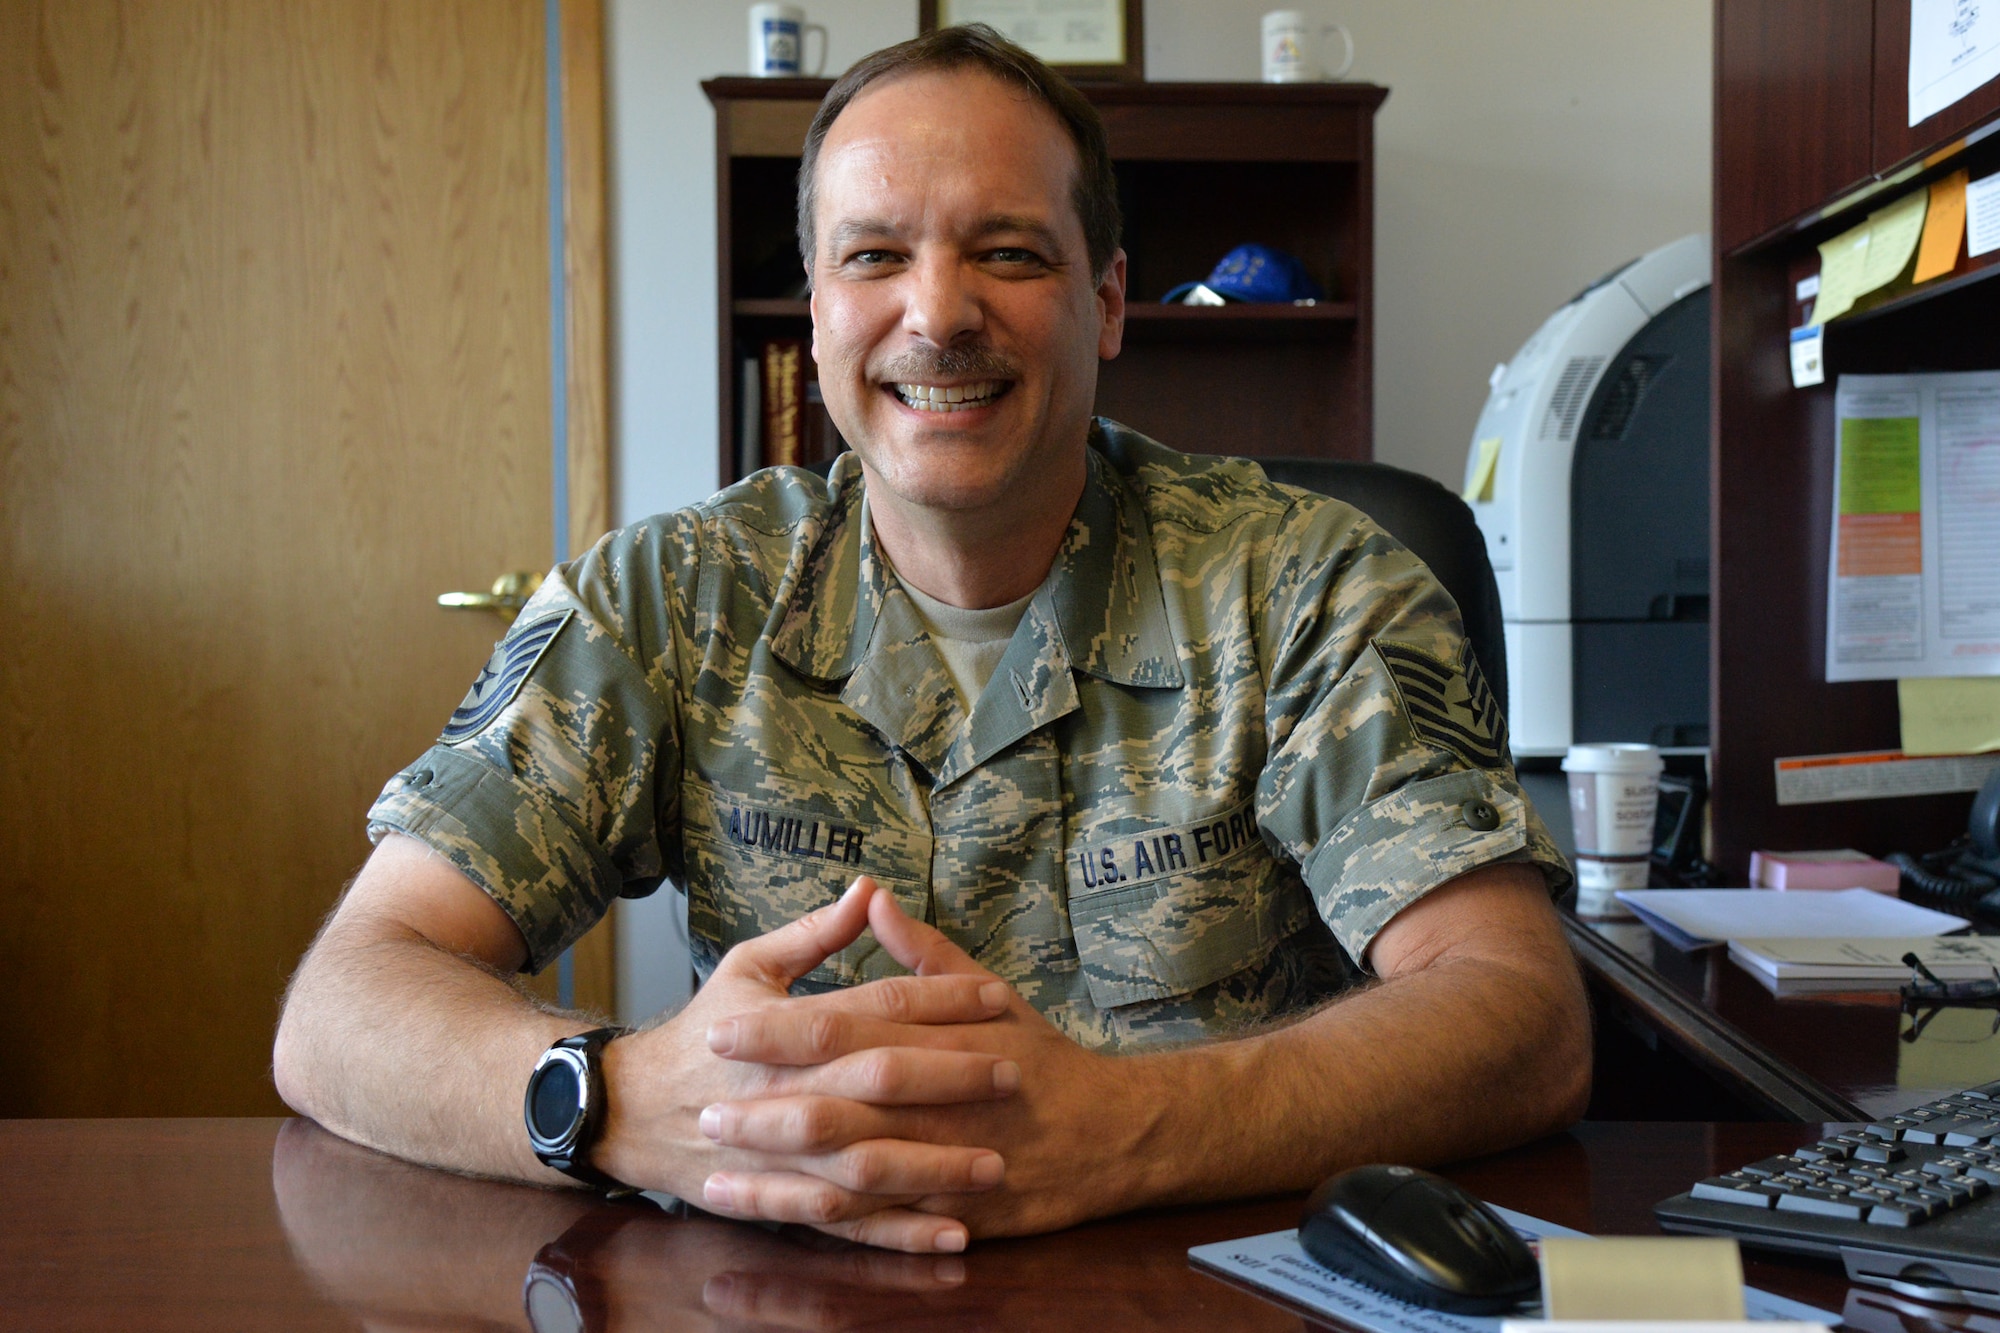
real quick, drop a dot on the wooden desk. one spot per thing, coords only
(1807, 1058)
(213, 1224)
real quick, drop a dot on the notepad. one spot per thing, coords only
(1865, 964)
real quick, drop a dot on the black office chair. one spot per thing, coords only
(1430, 520)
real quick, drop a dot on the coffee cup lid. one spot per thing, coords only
(1620, 757)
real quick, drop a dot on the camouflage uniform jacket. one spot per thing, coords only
(1236, 731)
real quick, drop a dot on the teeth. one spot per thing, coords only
(949, 397)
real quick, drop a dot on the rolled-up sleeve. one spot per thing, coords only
(554, 787)
(1389, 773)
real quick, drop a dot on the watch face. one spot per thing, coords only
(551, 1306)
(556, 1099)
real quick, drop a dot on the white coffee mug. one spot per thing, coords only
(778, 42)
(1293, 47)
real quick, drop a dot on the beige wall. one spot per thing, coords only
(1526, 147)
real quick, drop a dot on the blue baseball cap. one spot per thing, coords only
(1253, 273)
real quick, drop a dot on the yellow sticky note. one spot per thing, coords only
(1892, 238)
(1480, 488)
(1641, 1277)
(1944, 228)
(1841, 263)
(1950, 714)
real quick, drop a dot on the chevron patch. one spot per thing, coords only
(1449, 704)
(505, 672)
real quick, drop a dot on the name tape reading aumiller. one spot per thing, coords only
(1127, 860)
(791, 835)
(1156, 852)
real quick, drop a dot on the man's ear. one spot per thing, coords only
(1111, 307)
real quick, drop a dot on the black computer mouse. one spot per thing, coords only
(1419, 1238)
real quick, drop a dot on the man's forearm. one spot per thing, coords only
(1464, 1057)
(400, 1032)
(389, 1040)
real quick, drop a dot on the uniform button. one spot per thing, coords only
(421, 778)
(1480, 816)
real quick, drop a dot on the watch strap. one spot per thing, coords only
(574, 1162)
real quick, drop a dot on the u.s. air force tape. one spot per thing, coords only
(1449, 704)
(513, 658)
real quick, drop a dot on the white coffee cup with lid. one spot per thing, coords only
(1614, 798)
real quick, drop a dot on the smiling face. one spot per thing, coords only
(956, 322)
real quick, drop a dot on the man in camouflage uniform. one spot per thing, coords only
(1233, 760)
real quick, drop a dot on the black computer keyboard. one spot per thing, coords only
(1907, 1202)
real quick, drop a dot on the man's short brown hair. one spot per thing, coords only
(976, 46)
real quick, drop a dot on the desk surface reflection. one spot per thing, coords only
(275, 1223)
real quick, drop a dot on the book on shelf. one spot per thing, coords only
(750, 423)
(784, 402)
(783, 419)
(822, 438)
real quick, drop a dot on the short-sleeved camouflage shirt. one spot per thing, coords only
(1236, 731)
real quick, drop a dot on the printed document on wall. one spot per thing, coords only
(1913, 573)
(1954, 48)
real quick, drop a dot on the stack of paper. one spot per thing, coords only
(1694, 918)
(1864, 964)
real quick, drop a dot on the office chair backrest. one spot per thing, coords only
(1431, 521)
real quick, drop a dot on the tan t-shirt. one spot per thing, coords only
(971, 642)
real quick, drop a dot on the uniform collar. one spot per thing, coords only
(1100, 611)
(1105, 586)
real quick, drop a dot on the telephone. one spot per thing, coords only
(1970, 866)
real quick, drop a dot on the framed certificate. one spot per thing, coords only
(1085, 39)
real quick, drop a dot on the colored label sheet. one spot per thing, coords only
(1881, 498)
(1892, 239)
(1913, 570)
(1944, 228)
(1950, 714)
(1842, 261)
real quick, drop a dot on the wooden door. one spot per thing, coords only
(275, 351)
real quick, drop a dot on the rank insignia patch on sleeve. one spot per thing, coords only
(513, 658)
(1449, 704)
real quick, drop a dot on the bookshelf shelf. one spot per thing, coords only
(1202, 169)
(1328, 319)
(770, 307)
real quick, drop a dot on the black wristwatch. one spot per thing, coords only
(564, 1107)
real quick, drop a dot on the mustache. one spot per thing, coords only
(922, 365)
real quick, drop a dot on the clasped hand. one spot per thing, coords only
(909, 1113)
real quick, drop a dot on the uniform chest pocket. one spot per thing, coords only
(753, 867)
(1168, 911)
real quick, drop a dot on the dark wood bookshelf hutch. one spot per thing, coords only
(1810, 137)
(1202, 168)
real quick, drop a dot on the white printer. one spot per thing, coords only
(1588, 474)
